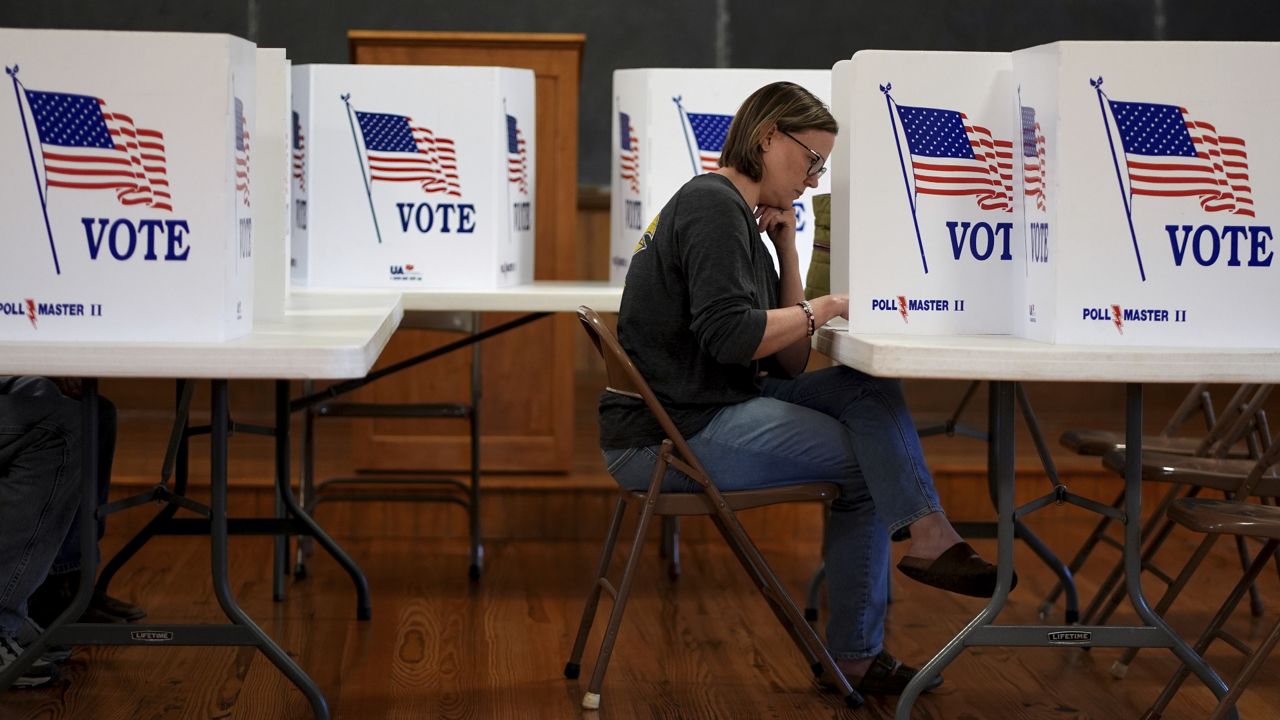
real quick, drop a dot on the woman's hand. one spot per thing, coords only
(830, 306)
(780, 225)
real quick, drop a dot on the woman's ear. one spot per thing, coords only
(767, 139)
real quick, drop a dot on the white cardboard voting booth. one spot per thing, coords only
(1161, 189)
(924, 238)
(413, 177)
(125, 186)
(669, 125)
(271, 177)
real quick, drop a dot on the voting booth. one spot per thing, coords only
(125, 186)
(1151, 217)
(413, 177)
(271, 174)
(669, 125)
(924, 238)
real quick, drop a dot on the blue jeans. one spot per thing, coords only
(39, 492)
(68, 557)
(834, 425)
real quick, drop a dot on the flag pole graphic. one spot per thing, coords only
(1128, 209)
(893, 122)
(235, 200)
(44, 207)
(684, 122)
(360, 161)
(1022, 162)
(507, 167)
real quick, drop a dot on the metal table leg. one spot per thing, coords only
(1000, 457)
(218, 553)
(981, 631)
(1133, 547)
(286, 499)
(241, 631)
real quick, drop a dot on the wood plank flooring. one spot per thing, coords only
(703, 646)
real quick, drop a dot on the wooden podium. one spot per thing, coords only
(527, 411)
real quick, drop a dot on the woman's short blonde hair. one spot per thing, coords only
(784, 105)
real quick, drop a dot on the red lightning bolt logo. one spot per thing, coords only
(902, 307)
(31, 311)
(1117, 318)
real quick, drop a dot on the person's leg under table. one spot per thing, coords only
(40, 445)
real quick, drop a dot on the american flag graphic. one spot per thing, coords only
(952, 156)
(709, 132)
(299, 154)
(399, 151)
(1170, 154)
(87, 147)
(628, 153)
(517, 157)
(242, 152)
(1033, 168)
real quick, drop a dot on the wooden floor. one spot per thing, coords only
(703, 646)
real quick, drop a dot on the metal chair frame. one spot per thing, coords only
(1098, 443)
(1243, 421)
(625, 379)
(1213, 517)
(404, 485)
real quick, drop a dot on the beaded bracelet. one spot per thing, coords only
(808, 312)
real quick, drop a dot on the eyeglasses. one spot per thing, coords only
(817, 166)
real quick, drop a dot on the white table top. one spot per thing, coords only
(352, 302)
(308, 344)
(538, 296)
(1002, 357)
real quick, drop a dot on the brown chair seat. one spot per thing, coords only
(1101, 442)
(1224, 474)
(695, 503)
(1226, 516)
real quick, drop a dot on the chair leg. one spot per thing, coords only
(476, 566)
(1246, 674)
(811, 595)
(780, 600)
(1112, 592)
(1171, 593)
(1256, 607)
(574, 666)
(1211, 631)
(591, 699)
(306, 487)
(753, 565)
(670, 546)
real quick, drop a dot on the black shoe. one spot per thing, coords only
(889, 676)
(104, 604)
(42, 672)
(55, 594)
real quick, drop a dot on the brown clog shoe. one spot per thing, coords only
(959, 570)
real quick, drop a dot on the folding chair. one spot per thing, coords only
(1212, 469)
(625, 379)
(1215, 517)
(1100, 442)
(410, 486)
